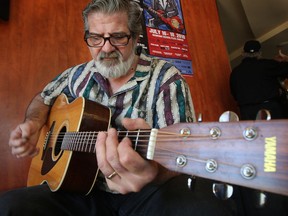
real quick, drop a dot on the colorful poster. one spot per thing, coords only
(164, 33)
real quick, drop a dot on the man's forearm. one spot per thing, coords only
(37, 111)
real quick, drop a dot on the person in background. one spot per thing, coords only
(142, 92)
(254, 83)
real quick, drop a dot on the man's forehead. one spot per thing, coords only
(100, 20)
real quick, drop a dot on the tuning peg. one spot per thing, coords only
(199, 119)
(222, 191)
(263, 114)
(259, 199)
(228, 116)
(191, 182)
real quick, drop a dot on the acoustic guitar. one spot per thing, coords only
(253, 154)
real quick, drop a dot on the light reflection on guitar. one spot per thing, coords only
(252, 154)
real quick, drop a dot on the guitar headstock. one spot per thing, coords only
(248, 153)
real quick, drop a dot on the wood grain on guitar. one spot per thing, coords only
(65, 169)
(248, 153)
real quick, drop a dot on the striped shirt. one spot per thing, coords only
(157, 92)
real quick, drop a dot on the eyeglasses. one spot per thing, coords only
(94, 40)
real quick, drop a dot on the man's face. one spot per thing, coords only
(111, 61)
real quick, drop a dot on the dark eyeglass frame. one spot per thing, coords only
(87, 36)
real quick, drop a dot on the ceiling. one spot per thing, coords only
(263, 20)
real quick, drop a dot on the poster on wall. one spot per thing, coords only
(164, 33)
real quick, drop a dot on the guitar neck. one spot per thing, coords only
(85, 141)
(215, 150)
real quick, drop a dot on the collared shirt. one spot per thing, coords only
(157, 92)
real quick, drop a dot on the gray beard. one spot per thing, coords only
(115, 68)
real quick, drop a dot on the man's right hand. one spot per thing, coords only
(23, 139)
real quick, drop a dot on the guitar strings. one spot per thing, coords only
(86, 142)
(161, 136)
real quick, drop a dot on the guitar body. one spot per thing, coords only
(64, 169)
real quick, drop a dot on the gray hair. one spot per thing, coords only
(131, 7)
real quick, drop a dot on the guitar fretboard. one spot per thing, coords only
(86, 141)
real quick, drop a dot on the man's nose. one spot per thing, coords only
(107, 47)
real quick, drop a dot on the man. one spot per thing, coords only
(254, 83)
(141, 92)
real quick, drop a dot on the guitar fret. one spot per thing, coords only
(77, 145)
(74, 140)
(78, 142)
(85, 144)
(92, 145)
(136, 141)
(89, 143)
(68, 140)
(71, 141)
(65, 141)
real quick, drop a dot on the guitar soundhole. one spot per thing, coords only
(59, 141)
